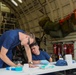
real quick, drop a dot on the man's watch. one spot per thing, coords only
(30, 62)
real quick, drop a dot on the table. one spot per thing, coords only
(37, 70)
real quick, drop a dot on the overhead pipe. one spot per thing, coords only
(51, 10)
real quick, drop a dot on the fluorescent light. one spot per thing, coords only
(15, 3)
(20, 1)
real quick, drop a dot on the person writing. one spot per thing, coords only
(11, 39)
(38, 56)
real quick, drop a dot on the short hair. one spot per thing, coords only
(32, 35)
(33, 44)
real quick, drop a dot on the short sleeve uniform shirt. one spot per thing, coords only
(42, 56)
(10, 39)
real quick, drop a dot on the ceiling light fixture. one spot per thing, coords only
(20, 1)
(15, 3)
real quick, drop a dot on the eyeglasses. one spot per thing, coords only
(28, 41)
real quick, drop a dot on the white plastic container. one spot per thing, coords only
(68, 58)
(25, 67)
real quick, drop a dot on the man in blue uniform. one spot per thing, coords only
(11, 39)
(38, 56)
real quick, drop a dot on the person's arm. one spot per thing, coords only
(36, 61)
(4, 57)
(47, 56)
(29, 56)
(39, 61)
(50, 60)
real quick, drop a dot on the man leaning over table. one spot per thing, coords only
(11, 39)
